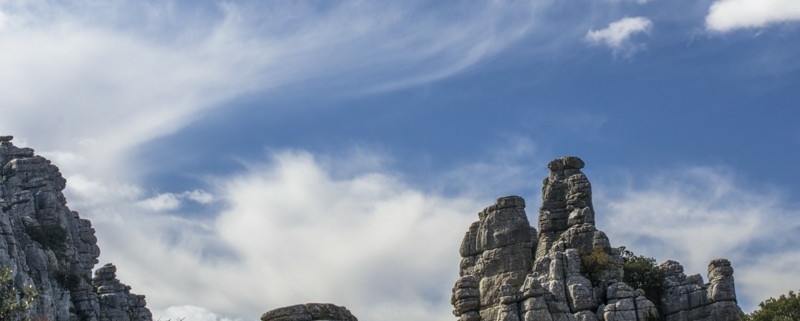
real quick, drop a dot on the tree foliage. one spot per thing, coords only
(784, 308)
(13, 303)
(641, 272)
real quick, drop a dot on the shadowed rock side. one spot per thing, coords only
(309, 312)
(511, 272)
(52, 248)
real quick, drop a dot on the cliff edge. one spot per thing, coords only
(50, 247)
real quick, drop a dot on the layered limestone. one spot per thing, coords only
(50, 247)
(118, 303)
(509, 271)
(309, 312)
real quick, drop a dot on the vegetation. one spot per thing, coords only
(784, 308)
(14, 303)
(641, 272)
(595, 263)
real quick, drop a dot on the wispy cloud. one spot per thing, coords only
(92, 88)
(172, 201)
(618, 34)
(695, 214)
(728, 15)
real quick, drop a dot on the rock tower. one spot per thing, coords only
(509, 271)
(50, 247)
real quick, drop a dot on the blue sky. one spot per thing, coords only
(239, 156)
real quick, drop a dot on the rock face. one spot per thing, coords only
(309, 312)
(568, 271)
(52, 248)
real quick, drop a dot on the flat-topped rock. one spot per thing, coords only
(310, 312)
(566, 162)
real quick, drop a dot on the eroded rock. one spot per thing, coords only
(49, 246)
(568, 270)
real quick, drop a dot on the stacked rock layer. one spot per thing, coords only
(50, 247)
(511, 272)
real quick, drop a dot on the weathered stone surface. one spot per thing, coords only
(688, 298)
(466, 296)
(555, 283)
(49, 246)
(310, 312)
(118, 303)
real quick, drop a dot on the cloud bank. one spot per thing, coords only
(290, 232)
(728, 15)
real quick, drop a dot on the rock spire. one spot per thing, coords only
(567, 270)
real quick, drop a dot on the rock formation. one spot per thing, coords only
(309, 312)
(568, 271)
(50, 247)
(116, 299)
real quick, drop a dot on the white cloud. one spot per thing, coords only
(727, 15)
(697, 214)
(161, 202)
(617, 35)
(290, 232)
(636, 1)
(171, 201)
(190, 313)
(199, 196)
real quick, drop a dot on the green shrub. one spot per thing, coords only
(595, 263)
(14, 303)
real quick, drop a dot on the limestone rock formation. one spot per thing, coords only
(309, 312)
(50, 247)
(116, 299)
(509, 271)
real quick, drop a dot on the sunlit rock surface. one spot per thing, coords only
(512, 272)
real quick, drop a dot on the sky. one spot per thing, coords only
(239, 156)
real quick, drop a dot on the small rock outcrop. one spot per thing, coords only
(309, 312)
(50, 247)
(509, 271)
(118, 303)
